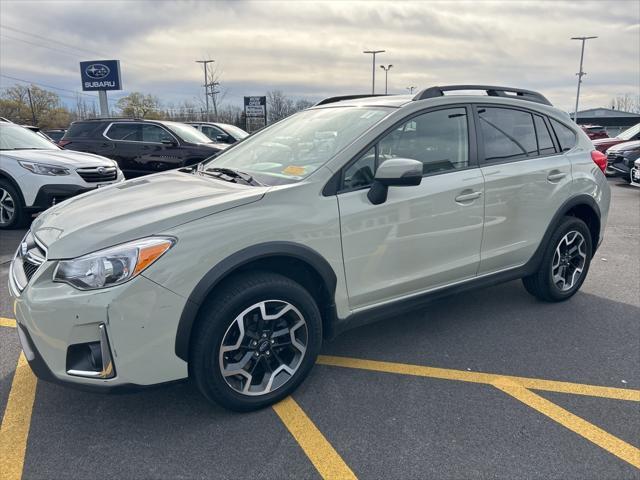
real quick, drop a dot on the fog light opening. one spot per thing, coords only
(91, 359)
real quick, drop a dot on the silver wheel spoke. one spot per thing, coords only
(263, 347)
(569, 260)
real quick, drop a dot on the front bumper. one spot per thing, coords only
(137, 322)
(634, 176)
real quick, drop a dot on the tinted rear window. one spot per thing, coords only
(508, 134)
(566, 136)
(85, 130)
(545, 143)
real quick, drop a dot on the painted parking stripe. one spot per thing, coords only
(604, 440)
(7, 322)
(16, 421)
(477, 377)
(321, 453)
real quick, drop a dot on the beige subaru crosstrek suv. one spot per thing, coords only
(233, 272)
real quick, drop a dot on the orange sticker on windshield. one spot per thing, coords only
(294, 170)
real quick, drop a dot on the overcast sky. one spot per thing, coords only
(314, 49)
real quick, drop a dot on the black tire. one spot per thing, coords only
(19, 218)
(219, 313)
(541, 284)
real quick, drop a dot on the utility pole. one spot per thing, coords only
(206, 82)
(410, 89)
(213, 94)
(33, 112)
(580, 74)
(386, 75)
(373, 76)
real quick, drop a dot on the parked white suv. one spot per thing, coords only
(36, 174)
(232, 273)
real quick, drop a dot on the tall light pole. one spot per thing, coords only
(206, 84)
(580, 74)
(411, 89)
(386, 75)
(373, 79)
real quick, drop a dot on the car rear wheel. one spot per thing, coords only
(12, 214)
(565, 262)
(255, 341)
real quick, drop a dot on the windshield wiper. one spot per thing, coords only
(233, 175)
(25, 148)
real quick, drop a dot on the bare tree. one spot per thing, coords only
(279, 105)
(139, 105)
(626, 103)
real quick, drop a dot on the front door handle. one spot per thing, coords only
(468, 196)
(555, 176)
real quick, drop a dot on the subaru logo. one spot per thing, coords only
(101, 170)
(97, 70)
(23, 248)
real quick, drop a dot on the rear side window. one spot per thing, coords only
(566, 136)
(545, 144)
(84, 130)
(125, 131)
(508, 134)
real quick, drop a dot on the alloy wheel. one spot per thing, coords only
(263, 347)
(569, 260)
(7, 207)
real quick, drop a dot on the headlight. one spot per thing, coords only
(44, 169)
(112, 266)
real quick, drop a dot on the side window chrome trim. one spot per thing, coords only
(104, 134)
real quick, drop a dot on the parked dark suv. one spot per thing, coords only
(141, 146)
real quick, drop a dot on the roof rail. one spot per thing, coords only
(492, 91)
(340, 98)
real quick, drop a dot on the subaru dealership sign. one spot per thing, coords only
(100, 75)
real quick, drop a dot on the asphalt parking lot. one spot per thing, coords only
(488, 384)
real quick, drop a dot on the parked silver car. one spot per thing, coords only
(232, 273)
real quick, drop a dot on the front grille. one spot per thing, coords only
(29, 258)
(98, 174)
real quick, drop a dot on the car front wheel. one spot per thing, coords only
(12, 213)
(255, 341)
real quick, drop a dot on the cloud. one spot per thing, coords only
(313, 49)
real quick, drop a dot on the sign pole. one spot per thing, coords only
(104, 105)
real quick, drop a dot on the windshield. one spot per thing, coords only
(15, 137)
(187, 132)
(295, 147)
(629, 133)
(235, 132)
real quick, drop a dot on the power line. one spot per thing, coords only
(93, 52)
(51, 86)
(35, 44)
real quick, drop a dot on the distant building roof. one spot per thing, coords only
(605, 113)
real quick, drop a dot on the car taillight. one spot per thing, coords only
(600, 159)
(62, 143)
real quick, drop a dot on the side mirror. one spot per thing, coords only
(395, 172)
(169, 142)
(223, 138)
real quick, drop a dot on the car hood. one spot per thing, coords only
(66, 158)
(134, 209)
(632, 145)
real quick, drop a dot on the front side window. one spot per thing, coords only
(212, 132)
(292, 149)
(187, 132)
(566, 136)
(155, 134)
(361, 172)
(438, 139)
(507, 134)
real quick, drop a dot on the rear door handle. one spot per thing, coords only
(556, 176)
(468, 197)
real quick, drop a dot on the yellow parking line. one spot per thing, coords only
(323, 456)
(605, 440)
(16, 421)
(7, 322)
(477, 377)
